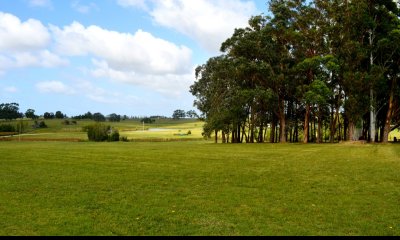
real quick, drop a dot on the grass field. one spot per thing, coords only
(161, 130)
(198, 188)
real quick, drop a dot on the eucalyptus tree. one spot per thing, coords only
(388, 67)
(218, 97)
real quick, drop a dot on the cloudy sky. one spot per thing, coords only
(133, 57)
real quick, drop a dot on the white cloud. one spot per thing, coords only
(24, 44)
(168, 84)
(21, 36)
(210, 22)
(43, 58)
(140, 52)
(40, 3)
(82, 8)
(54, 87)
(137, 59)
(133, 3)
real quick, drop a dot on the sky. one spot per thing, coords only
(129, 57)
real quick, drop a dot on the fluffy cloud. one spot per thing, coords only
(54, 87)
(21, 36)
(209, 22)
(23, 44)
(137, 59)
(140, 52)
(166, 84)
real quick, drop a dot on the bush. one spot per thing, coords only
(41, 124)
(114, 136)
(100, 133)
(124, 139)
(7, 128)
(189, 132)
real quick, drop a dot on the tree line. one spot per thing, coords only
(10, 111)
(311, 71)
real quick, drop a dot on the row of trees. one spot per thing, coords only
(311, 66)
(9, 111)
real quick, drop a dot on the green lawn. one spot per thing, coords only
(198, 188)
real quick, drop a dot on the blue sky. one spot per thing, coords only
(133, 57)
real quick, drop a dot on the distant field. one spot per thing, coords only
(198, 188)
(162, 130)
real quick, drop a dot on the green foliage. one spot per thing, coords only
(30, 113)
(7, 128)
(114, 118)
(40, 124)
(9, 111)
(318, 93)
(179, 114)
(48, 115)
(148, 120)
(99, 132)
(98, 117)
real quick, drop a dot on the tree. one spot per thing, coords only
(98, 117)
(59, 115)
(48, 115)
(178, 114)
(9, 111)
(30, 113)
(192, 114)
(114, 117)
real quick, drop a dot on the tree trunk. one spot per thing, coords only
(282, 121)
(351, 130)
(272, 135)
(389, 114)
(307, 123)
(216, 136)
(319, 132)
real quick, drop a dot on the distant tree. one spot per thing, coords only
(147, 120)
(59, 115)
(192, 114)
(114, 118)
(178, 114)
(9, 111)
(48, 115)
(30, 113)
(98, 117)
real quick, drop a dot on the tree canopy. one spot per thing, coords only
(311, 71)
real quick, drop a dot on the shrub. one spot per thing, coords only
(7, 128)
(189, 132)
(40, 124)
(124, 139)
(97, 132)
(114, 136)
(100, 133)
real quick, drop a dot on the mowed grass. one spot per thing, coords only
(198, 188)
